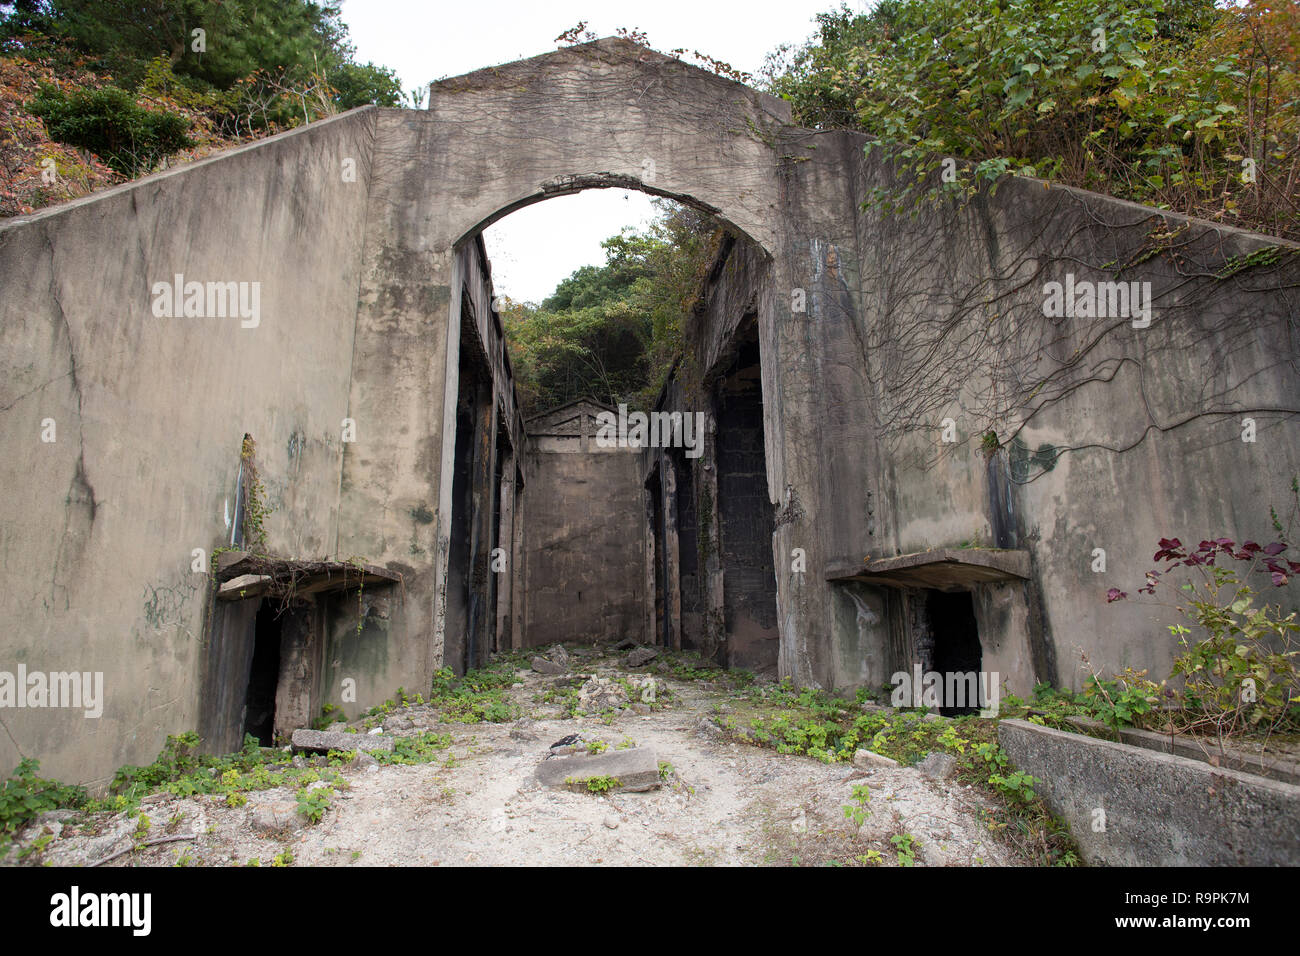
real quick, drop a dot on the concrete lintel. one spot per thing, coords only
(942, 568)
(268, 574)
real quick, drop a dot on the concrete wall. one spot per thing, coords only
(1146, 423)
(584, 543)
(99, 525)
(374, 288)
(1127, 806)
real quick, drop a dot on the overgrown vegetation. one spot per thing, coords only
(136, 87)
(25, 795)
(612, 331)
(1237, 674)
(1181, 104)
(830, 728)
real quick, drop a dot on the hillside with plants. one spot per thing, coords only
(1185, 105)
(96, 92)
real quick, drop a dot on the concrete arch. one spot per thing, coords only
(359, 230)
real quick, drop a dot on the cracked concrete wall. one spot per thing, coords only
(1139, 461)
(99, 525)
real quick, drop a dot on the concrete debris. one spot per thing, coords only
(363, 761)
(322, 741)
(268, 814)
(556, 661)
(636, 768)
(938, 766)
(642, 656)
(872, 760)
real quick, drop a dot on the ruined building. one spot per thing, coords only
(907, 458)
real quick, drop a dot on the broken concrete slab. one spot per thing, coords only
(244, 586)
(642, 656)
(273, 815)
(323, 741)
(636, 769)
(871, 759)
(938, 766)
(543, 666)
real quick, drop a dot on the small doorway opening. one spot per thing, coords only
(263, 676)
(958, 657)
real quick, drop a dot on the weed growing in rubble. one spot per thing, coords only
(597, 747)
(904, 844)
(24, 795)
(180, 770)
(479, 696)
(595, 784)
(312, 804)
(814, 723)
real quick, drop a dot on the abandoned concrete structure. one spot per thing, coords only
(906, 461)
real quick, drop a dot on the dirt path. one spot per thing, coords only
(724, 803)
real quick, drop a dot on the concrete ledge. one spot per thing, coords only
(1160, 809)
(1235, 758)
(938, 568)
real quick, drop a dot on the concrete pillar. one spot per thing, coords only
(671, 558)
(483, 495)
(505, 541)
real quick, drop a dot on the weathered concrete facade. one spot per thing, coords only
(832, 347)
(584, 543)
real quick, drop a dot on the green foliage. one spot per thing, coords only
(479, 696)
(904, 844)
(612, 331)
(857, 810)
(1120, 702)
(1159, 101)
(602, 784)
(312, 803)
(109, 123)
(25, 795)
(182, 771)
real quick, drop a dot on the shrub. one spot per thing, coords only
(110, 123)
(24, 795)
(1241, 675)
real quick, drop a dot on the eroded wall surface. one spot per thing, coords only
(584, 544)
(149, 413)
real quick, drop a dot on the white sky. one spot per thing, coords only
(534, 248)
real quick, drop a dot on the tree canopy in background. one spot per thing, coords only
(1180, 104)
(293, 45)
(612, 331)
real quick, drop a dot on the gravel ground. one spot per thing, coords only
(722, 803)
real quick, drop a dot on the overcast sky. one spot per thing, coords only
(536, 247)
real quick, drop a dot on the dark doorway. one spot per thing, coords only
(746, 518)
(957, 651)
(263, 676)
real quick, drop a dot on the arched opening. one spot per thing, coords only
(633, 515)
